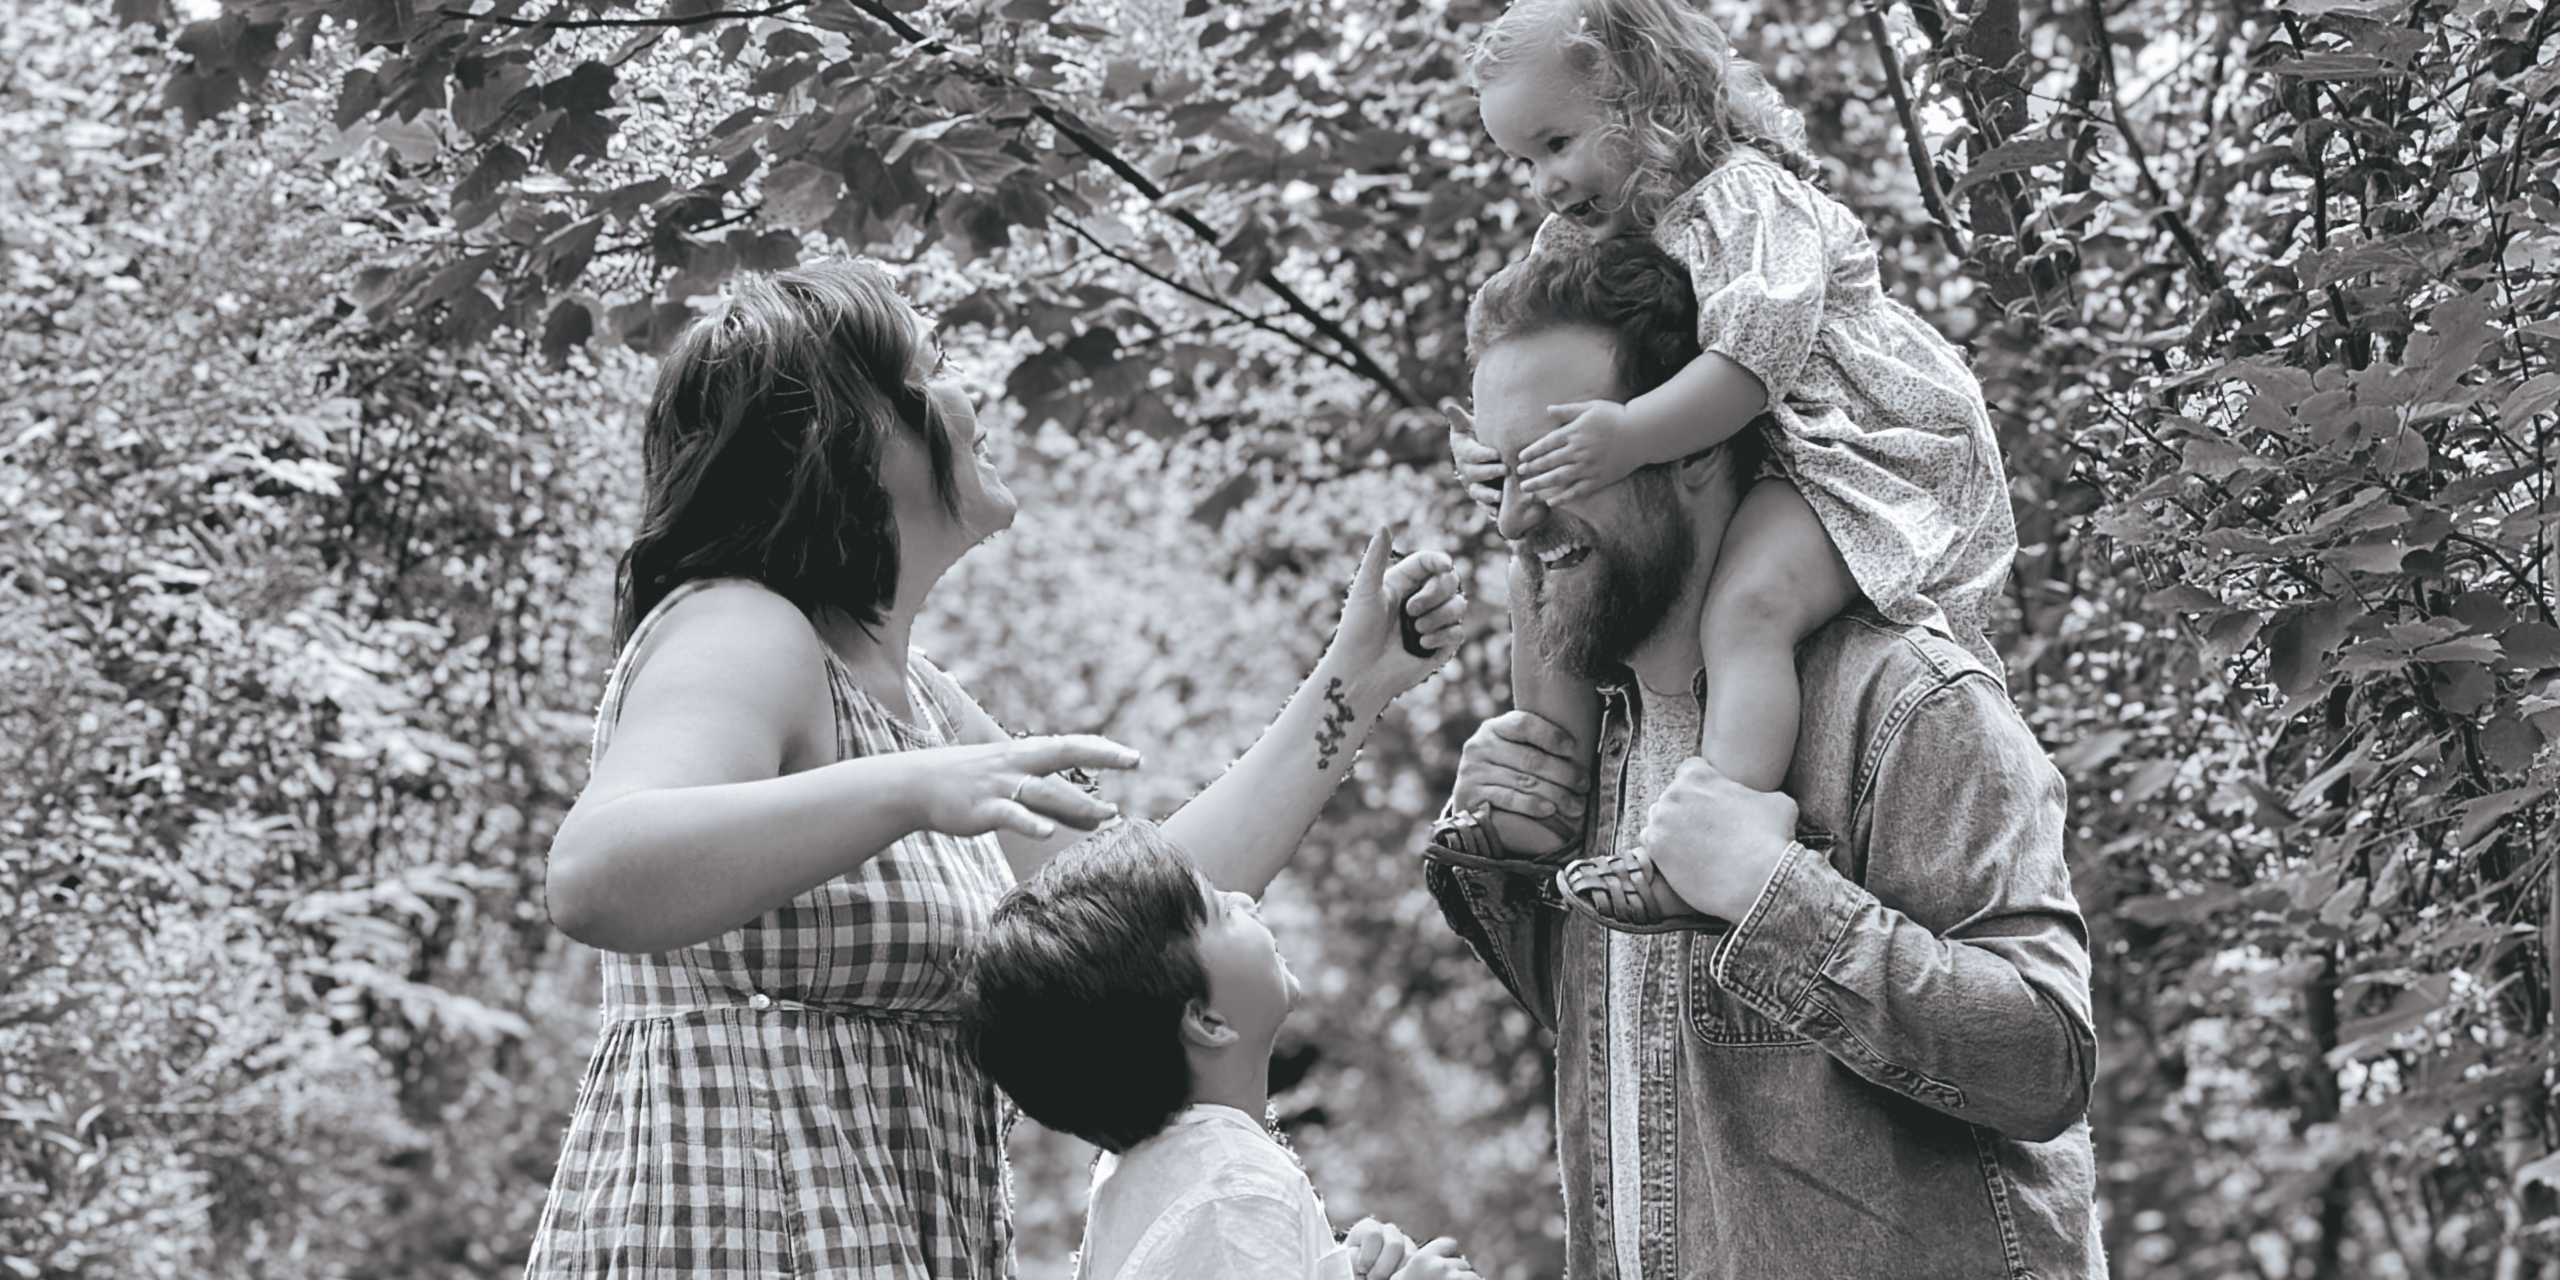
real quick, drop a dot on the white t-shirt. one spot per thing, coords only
(1213, 1197)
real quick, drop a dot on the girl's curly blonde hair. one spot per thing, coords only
(1677, 98)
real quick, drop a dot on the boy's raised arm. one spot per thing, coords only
(1242, 829)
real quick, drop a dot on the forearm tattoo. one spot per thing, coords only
(1337, 722)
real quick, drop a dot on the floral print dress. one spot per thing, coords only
(1879, 423)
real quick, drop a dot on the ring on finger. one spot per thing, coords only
(1015, 795)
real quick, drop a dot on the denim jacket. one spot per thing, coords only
(1884, 1068)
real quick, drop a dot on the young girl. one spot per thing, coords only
(1885, 482)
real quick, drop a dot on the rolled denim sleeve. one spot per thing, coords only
(1509, 919)
(1955, 969)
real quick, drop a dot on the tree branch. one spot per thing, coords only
(579, 24)
(1258, 322)
(2207, 274)
(1921, 168)
(1358, 356)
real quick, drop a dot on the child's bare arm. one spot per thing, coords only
(1700, 407)
(1244, 827)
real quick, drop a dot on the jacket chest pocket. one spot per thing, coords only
(1714, 1015)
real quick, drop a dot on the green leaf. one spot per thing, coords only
(2463, 687)
(2230, 633)
(2092, 752)
(778, 76)
(469, 317)
(2301, 638)
(358, 93)
(2332, 66)
(2217, 459)
(2013, 157)
(500, 167)
(2538, 394)
(455, 279)
(587, 87)
(567, 328)
(2341, 905)
(2510, 744)
(2460, 649)
(2479, 815)
(564, 256)
(2149, 780)
(799, 196)
(2367, 557)
(2409, 1008)
(201, 95)
(2182, 597)
(906, 139)
(479, 109)
(1194, 118)
(577, 136)
(2531, 646)
(2159, 910)
(1222, 501)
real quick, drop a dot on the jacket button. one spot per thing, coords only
(760, 1001)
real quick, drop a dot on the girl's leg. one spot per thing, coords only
(1777, 578)
(1558, 696)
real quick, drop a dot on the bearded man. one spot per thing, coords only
(1882, 1065)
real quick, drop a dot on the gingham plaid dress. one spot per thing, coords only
(791, 1098)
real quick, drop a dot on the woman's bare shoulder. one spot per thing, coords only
(728, 651)
(735, 615)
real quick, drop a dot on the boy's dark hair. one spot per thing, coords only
(1626, 286)
(1078, 989)
(761, 452)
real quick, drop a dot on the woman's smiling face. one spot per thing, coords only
(987, 506)
(1540, 111)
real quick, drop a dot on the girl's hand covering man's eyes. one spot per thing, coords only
(1480, 466)
(1590, 452)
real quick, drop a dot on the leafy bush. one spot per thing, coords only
(313, 450)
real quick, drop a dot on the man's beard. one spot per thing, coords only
(1589, 624)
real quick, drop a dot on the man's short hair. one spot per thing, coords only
(1078, 989)
(1625, 286)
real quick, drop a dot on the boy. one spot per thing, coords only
(1121, 998)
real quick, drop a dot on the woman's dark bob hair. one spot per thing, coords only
(1078, 987)
(763, 444)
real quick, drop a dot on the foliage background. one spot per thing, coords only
(326, 329)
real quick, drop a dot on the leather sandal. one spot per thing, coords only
(1625, 893)
(1462, 840)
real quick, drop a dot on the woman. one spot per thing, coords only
(795, 824)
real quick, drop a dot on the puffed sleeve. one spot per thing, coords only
(1557, 232)
(1752, 237)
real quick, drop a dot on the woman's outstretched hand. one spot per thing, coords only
(1007, 786)
(1422, 587)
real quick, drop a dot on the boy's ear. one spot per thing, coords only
(1205, 1028)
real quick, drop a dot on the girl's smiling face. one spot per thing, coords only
(1539, 110)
